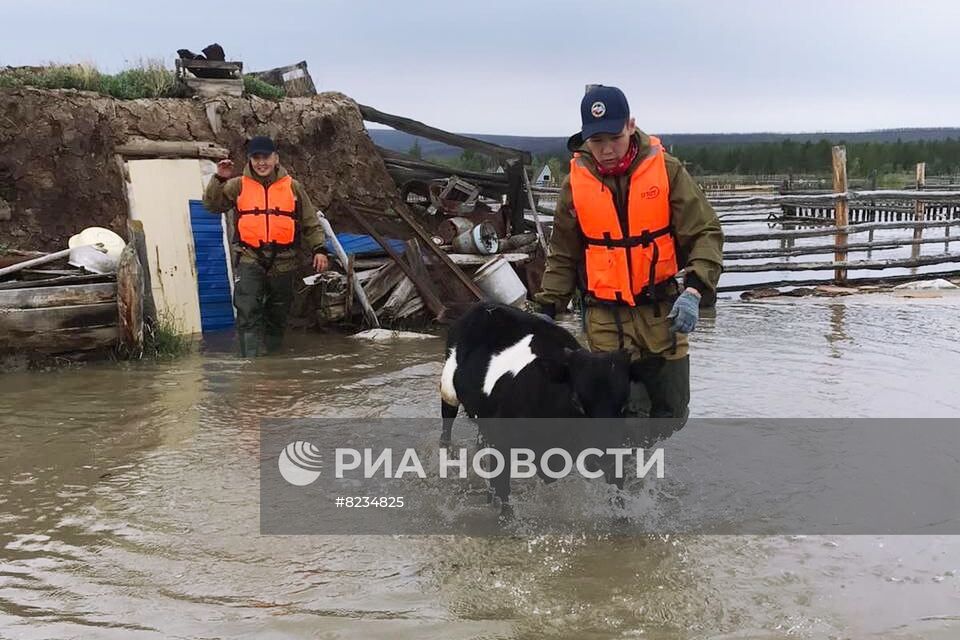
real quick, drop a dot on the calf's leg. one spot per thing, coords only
(447, 413)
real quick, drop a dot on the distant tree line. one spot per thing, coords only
(786, 157)
(765, 158)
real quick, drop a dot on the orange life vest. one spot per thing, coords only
(267, 216)
(620, 266)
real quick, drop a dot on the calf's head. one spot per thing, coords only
(599, 382)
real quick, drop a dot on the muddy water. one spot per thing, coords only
(129, 502)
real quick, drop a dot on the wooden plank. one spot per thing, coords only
(444, 258)
(922, 261)
(402, 294)
(130, 300)
(211, 64)
(63, 340)
(382, 282)
(429, 296)
(57, 282)
(413, 127)
(412, 307)
(23, 322)
(39, 297)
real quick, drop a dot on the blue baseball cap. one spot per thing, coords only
(260, 144)
(602, 110)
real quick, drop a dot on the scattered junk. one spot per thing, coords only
(74, 313)
(395, 263)
(210, 74)
(96, 249)
(481, 238)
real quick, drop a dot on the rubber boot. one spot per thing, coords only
(273, 341)
(249, 344)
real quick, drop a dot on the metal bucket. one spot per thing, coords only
(499, 281)
(481, 239)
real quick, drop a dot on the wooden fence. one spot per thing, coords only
(839, 215)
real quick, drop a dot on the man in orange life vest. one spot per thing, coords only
(273, 215)
(628, 219)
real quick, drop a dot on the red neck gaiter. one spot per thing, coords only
(621, 167)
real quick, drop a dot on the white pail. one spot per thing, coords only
(499, 281)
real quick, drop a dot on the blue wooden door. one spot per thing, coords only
(213, 283)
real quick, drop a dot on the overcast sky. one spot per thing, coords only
(517, 67)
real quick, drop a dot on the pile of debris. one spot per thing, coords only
(461, 251)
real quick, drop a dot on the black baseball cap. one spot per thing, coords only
(602, 110)
(260, 144)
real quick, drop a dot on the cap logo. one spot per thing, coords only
(598, 109)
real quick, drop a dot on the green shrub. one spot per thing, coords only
(149, 79)
(165, 339)
(257, 87)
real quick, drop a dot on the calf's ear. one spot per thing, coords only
(557, 367)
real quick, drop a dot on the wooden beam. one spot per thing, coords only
(130, 300)
(402, 159)
(139, 241)
(919, 207)
(894, 243)
(39, 297)
(922, 261)
(413, 127)
(429, 297)
(515, 199)
(444, 258)
(22, 322)
(830, 231)
(145, 148)
(63, 340)
(840, 215)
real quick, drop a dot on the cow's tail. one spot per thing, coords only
(449, 403)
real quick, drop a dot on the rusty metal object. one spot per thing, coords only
(452, 227)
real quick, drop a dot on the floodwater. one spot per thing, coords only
(129, 501)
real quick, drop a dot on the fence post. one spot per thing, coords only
(840, 187)
(919, 210)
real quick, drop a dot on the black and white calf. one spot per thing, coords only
(504, 363)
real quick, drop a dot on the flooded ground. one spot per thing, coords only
(129, 501)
